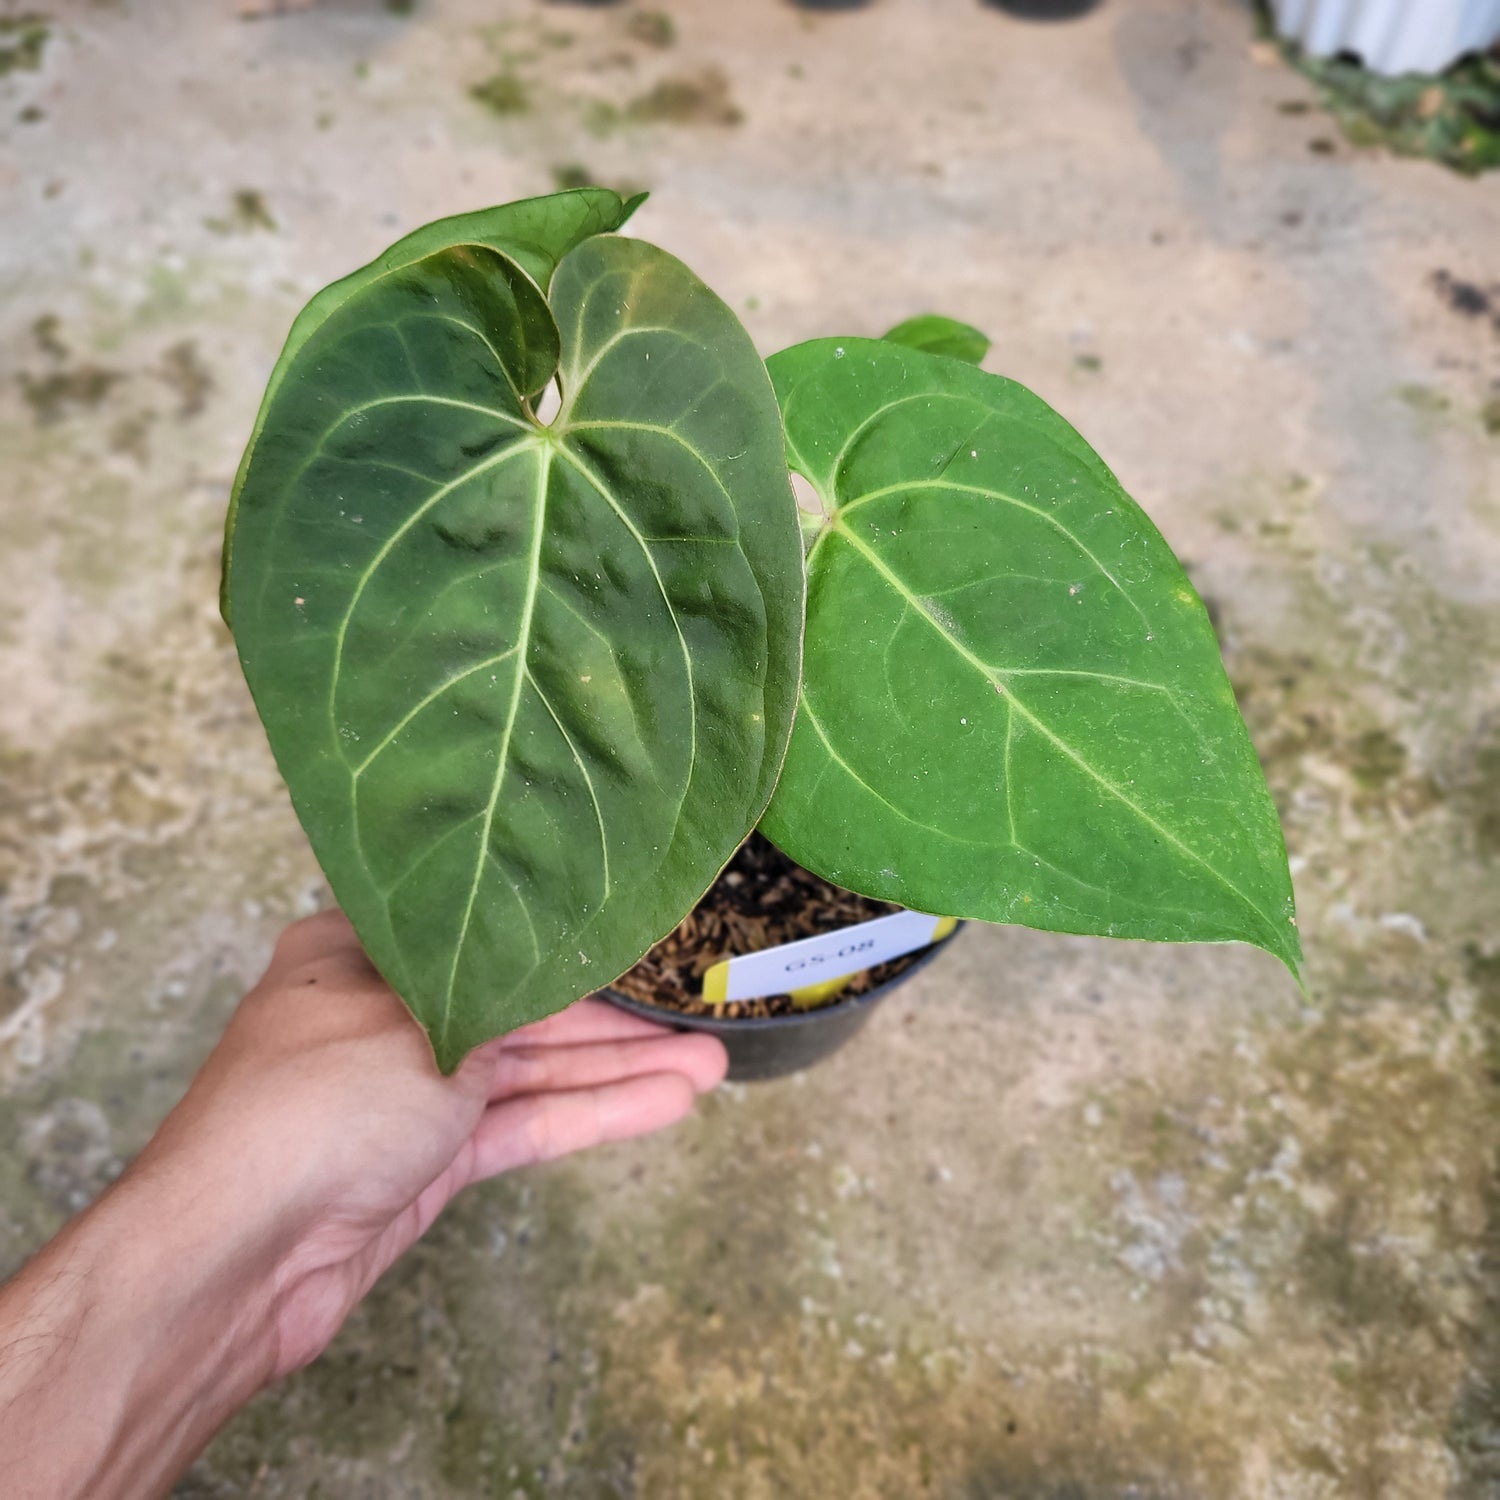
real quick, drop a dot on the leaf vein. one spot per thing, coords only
(812, 718)
(995, 494)
(581, 378)
(895, 581)
(436, 693)
(387, 547)
(687, 656)
(588, 780)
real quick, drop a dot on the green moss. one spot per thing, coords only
(653, 27)
(601, 118)
(23, 40)
(248, 212)
(63, 393)
(1479, 792)
(1362, 1287)
(689, 99)
(47, 331)
(1474, 1431)
(502, 94)
(130, 436)
(184, 372)
(1422, 398)
(1376, 758)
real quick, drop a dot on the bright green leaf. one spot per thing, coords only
(1013, 705)
(529, 685)
(935, 334)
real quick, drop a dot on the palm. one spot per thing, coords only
(378, 1141)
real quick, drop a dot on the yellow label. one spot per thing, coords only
(811, 995)
(716, 983)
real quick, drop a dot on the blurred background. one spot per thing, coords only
(1072, 1219)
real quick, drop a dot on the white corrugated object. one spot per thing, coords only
(1392, 36)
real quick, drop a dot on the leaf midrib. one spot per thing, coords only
(502, 756)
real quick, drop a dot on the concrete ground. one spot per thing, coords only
(1071, 1219)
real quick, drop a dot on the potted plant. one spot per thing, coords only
(533, 682)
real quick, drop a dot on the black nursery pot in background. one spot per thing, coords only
(1045, 10)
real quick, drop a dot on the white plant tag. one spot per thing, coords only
(819, 960)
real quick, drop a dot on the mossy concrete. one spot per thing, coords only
(1071, 1220)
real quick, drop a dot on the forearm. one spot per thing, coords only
(127, 1342)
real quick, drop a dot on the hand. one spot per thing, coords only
(316, 1144)
(363, 1141)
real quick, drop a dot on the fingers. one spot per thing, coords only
(541, 1069)
(586, 1020)
(542, 1127)
(591, 1043)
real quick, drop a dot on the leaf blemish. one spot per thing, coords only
(941, 616)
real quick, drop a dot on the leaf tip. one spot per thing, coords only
(447, 1054)
(933, 333)
(1287, 949)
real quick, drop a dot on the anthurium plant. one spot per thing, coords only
(532, 679)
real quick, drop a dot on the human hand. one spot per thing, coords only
(316, 1144)
(324, 1090)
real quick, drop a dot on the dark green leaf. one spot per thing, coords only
(1013, 705)
(533, 235)
(934, 334)
(529, 685)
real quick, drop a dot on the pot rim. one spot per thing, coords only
(685, 1019)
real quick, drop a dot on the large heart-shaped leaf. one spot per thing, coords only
(529, 684)
(1013, 706)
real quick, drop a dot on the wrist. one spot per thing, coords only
(130, 1339)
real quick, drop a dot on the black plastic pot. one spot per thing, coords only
(1045, 10)
(772, 1046)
